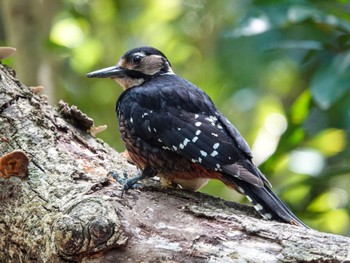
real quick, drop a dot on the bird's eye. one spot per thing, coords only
(136, 59)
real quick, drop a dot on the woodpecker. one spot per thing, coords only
(172, 129)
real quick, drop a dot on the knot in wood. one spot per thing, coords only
(88, 225)
(101, 229)
(69, 235)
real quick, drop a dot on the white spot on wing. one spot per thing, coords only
(198, 132)
(186, 141)
(203, 153)
(175, 148)
(194, 139)
(196, 116)
(199, 159)
(212, 119)
(131, 120)
(215, 134)
(181, 146)
(258, 207)
(268, 216)
(216, 145)
(198, 123)
(166, 148)
(214, 153)
(240, 189)
(249, 199)
(149, 129)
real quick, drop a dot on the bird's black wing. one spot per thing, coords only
(176, 116)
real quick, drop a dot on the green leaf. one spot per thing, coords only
(331, 81)
(297, 44)
(300, 109)
(299, 13)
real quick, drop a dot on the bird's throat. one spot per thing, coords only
(127, 82)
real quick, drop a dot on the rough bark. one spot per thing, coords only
(69, 210)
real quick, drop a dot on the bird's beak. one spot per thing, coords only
(110, 72)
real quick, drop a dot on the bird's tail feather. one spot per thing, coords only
(267, 203)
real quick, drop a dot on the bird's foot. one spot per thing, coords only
(132, 183)
(127, 183)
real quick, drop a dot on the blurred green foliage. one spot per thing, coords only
(279, 70)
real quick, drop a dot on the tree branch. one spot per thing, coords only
(68, 210)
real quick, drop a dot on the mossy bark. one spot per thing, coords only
(69, 210)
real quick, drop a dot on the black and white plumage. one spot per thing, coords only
(173, 129)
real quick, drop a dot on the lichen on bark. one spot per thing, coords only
(65, 164)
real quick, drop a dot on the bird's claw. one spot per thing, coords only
(128, 183)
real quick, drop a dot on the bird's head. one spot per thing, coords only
(135, 67)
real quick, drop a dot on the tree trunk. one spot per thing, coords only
(69, 210)
(27, 25)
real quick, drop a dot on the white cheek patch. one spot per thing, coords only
(151, 64)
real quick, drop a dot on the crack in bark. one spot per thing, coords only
(84, 142)
(36, 164)
(8, 104)
(38, 194)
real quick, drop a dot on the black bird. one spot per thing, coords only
(172, 129)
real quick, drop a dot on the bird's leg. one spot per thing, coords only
(121, 179)
(132, 183)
